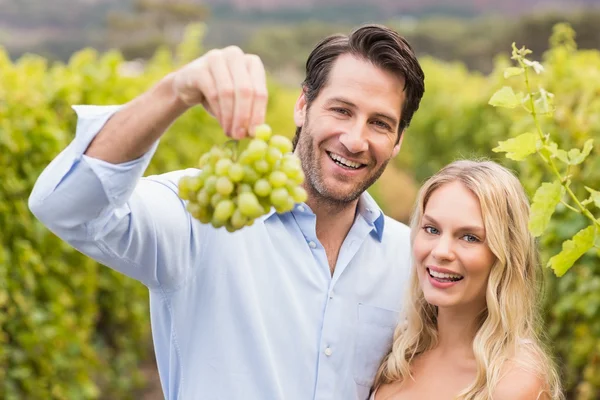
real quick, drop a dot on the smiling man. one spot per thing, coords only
(301, 305)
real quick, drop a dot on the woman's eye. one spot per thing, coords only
(471, 238)
(431, 230)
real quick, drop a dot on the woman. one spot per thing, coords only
(471, 319)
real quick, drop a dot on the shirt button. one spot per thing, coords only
(300, 208)
(328, 352)
(312, 244)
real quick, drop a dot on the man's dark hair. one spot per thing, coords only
(378, 44)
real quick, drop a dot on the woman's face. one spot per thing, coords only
(452, 258)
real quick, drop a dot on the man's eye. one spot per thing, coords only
(341, 111)
(383, 125)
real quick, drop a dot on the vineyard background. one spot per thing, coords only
(72, 329)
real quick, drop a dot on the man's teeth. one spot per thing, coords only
(442, 275)
(344, 161)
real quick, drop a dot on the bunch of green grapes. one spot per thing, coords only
(233, 190)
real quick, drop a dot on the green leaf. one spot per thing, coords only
(572, 250)
(594, 196)
(558, 153)
(577, 157)
(518, 148)
(544, 103)
(544, 202)
(513, 71)
(504, 97)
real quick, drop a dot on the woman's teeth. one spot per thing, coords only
(443, 277)
(344, 162)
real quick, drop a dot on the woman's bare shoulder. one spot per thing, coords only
(517, 382)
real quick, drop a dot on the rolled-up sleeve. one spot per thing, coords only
(138, 226)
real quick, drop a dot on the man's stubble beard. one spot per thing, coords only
(314, 182)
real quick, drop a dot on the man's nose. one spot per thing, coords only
(354, 138)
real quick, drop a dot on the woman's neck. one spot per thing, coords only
(457, 328)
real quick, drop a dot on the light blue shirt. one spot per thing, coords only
(253, 315)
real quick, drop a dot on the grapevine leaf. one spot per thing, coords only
(558, 153)
(518, 148)
(544, 202)
(513, 71)
(577, 157)
(594, 196)
(504, 97)
(572, 250)
(544, 103)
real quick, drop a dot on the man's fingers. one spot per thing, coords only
(256, 70)
(206, 84)
(225, 90)
(244, 93)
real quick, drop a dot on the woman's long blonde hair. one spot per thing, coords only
(509, 324)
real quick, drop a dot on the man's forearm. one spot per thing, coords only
(131, 132)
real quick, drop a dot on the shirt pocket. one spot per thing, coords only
(373, 341)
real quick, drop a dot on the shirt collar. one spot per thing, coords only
(370, 211)
(367, 208)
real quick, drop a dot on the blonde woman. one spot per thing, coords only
(471, 318)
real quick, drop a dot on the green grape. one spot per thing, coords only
(224, 210)
(265, 202)
(222, 166)
(210, 185)
(203, 198)
(238, 220)
(217, 223)
(299, 194)
(262, 166)
(199, 212)
(290, 168)
(262, 187)
(207, 171)
(230, 228)
(249, 205)
(256, 150)
(224, 186)
(277, 179)
(263, 132)
(273, 155)
(216, 199)
(236, 172)
(244, 188)
(250, 175)
(184, 188)
(279, 197)
(282, 143)
(215, 155)
(204, 160)
(299, 178)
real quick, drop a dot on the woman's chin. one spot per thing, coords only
(439, 300)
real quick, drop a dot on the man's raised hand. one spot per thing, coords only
(230, 84)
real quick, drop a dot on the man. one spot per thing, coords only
(300, 305)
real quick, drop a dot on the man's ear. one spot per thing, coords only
(397, 147)
(300, 110)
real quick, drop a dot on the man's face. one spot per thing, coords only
(349, 133)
